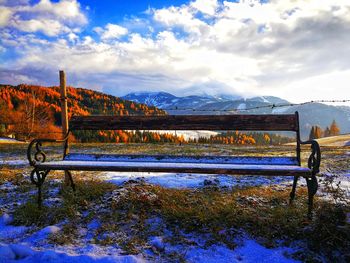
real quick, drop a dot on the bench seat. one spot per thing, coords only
(234, 165)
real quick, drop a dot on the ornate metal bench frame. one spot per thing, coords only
(285, 122)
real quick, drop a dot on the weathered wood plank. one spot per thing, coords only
(204, 168)
(244, 160)
(268, 122)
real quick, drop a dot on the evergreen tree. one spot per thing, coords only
(327, 132)
(334, 129)
(318, 132)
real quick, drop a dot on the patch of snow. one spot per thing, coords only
(14, 162)
(243, 160)
(24, 254)
(342, 180)
(8, 186)
(21, 251)
(157, 242)
(280, 110)
(12, 232)
(6, 253)
(6, 219)
(248, 251)
(94, 224)
(242, 106)
(264, 99)
(183, 180)
(42, 234)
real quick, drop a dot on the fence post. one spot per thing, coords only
(64, 106)
(64, 114)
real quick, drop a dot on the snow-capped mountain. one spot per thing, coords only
(310, 114)
(168, 101)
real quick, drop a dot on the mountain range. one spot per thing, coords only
(310, 114)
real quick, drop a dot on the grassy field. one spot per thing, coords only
(333, 141)
(129, 215)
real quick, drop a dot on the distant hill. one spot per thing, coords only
(310, 114)
(28, 109)
(186, 104)
(340, 140)
(168, 101)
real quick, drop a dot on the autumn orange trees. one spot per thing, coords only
(29, 111)
(316, 131)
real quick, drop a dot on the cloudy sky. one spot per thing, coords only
(295, 49)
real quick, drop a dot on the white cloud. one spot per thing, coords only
(47, 17)
(111, 31)
(208, 7)
(46, 26)
(5, 15)
(64, 10)
(293, 49)
(180, 17)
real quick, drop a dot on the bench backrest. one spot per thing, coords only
(242, 122)
(271, 122)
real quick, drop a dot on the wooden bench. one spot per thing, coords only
(233, 165)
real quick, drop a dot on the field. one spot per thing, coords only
(137, 217)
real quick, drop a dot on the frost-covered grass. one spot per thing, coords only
(132, 217)
(134, 220)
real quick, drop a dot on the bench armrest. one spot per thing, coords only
(39, 155)
(314, 160)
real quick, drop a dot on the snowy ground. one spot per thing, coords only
(183, 180)
(33, 247)
(30, 244)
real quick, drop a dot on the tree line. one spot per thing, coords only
(316, 132)
(28, 111)
(232, 137)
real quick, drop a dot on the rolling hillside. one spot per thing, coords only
(26, 110)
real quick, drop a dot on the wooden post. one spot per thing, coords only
(64, 115)
(64, 106)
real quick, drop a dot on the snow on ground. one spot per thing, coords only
(22, 244)
(184, 180)
(24, 254)
(28, 244)
(17, 244)
(250, 251)
(25, 251)
(15, 162)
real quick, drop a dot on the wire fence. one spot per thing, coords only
(270, 106)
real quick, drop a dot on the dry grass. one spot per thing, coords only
(262, 212)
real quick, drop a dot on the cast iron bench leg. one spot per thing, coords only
(38, 180)
(71, 180)
(312, 187)
(292, 194)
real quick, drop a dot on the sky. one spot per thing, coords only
(294, 49)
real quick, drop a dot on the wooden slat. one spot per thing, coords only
(271, 122)
(207, 168)
(243, 160)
